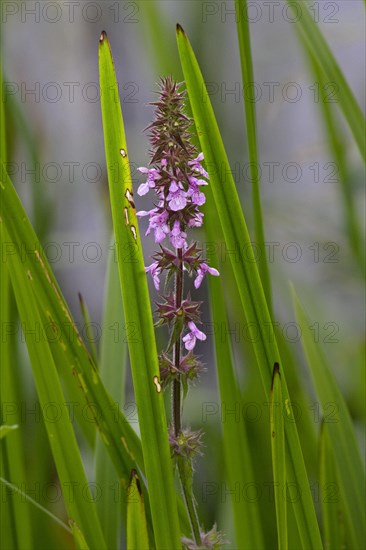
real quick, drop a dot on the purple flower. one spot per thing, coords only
(196, 165)
(158, 222)
(197, 197)
(177, 197)
(194, 334)
(197, 220)
(154, 270)
(201, 272)
(177, 236)
(153, 175)
(143, 213)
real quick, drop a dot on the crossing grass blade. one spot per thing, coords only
(34, 503)
(252, 296)
(251, 130)
(137, 308)
(314, 41)
(350, 469)
(278, 457)
(333, 523)
(65, 450)
(137, 536)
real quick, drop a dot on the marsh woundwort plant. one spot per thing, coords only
(177, 176)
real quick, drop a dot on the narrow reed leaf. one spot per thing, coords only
(137, 537)
(136, 301)
(351, 472)
(278, 457)
(247, 277)
(251, 129)
(314, 41)
(28, 498)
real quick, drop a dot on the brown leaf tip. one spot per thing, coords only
(103, 36)
(136, 477)
(276, 370)
(180, 29)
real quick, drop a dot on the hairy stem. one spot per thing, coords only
(184, 465)
(186, 482)
(176, 401)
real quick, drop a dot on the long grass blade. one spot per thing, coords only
(351, 472)
(137, 308)
(247, 277)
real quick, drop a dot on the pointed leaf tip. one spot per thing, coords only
(180, 29)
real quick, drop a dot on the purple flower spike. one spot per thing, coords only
(201, 272)
(178, 178)
(194, 334)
